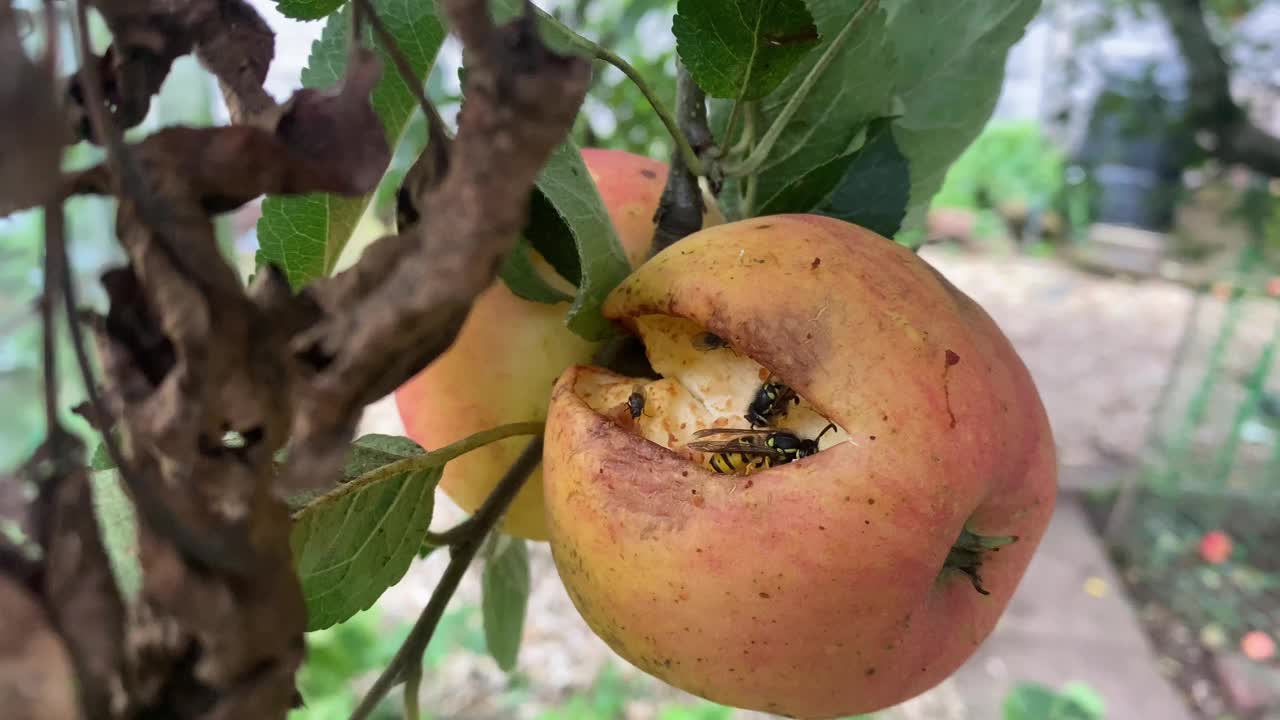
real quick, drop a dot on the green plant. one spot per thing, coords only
(1012, 171)
(1033, 701)
(1009, 162)
(606, 699)
(336, 657)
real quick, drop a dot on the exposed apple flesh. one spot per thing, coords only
(700, 389)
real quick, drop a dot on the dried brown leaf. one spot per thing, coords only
(77, 587)
(31, 140)
(237, 46)
(228, 36)
(340, 126)
(37, 679)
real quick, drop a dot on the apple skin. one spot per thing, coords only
(509, 352)
(813, 589)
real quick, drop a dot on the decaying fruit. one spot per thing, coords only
(828, 585)
(502, 365)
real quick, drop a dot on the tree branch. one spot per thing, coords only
(1236, 139)
(189, 355)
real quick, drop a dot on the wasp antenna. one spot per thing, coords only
(830, 426)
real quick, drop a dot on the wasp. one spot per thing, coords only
(770, 401)
(635, 404)
(744, 451)
(709, 341)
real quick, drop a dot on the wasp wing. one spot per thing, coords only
(739, 432)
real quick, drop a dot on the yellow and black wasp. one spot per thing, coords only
(769, 402)
(744, 451)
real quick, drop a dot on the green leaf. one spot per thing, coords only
(348, 553)
(742, 48)
(505, 597)
(307, 9)
(101, 459)
(951, 57)
(876, 186)
(370, 452)
(524, 280)
(854, 88)
(305, 235)
(569, 225)
(1032, 701)
(352, 543)
(119, 522)
(1086, 697)
(579, 217)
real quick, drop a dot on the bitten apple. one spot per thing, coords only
(821, 586)
(502, 365)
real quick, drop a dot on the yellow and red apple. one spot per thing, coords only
(830, 585)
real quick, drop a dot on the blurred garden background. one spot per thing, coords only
(1137, 274)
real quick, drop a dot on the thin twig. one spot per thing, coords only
(748, 130)
(761, 152)
(731, 124)
(53, 279)
(461, 555)
(453, 535)
(683, 143)
(54, 247)
(427, 461)
(412, 685)
(600, 52)
(104, 131)
(355, 35)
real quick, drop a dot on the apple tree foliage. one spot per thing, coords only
(853, 109)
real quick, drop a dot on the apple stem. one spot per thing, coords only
(970, 549)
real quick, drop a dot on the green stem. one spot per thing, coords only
(691, 158)
(733, 121)
(761, 151)
(970, 549)
(602, 53)
(749, 199)
(748, 130)
(424, 462)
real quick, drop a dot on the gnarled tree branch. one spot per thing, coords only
(206, 381)
(403, 303)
